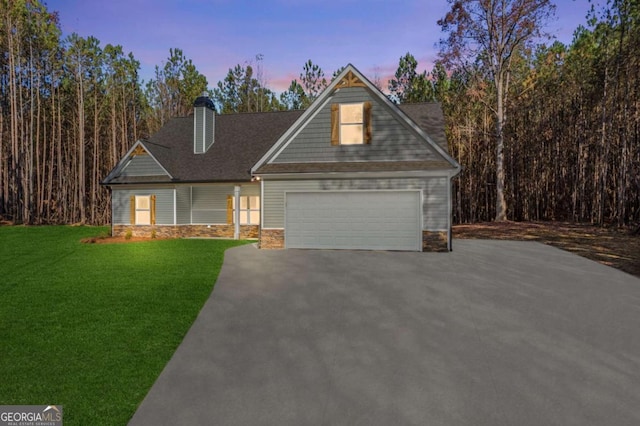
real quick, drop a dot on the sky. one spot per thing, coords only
(219, 34)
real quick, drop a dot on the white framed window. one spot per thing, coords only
(351, 124)
(249, 210)
(143, 210)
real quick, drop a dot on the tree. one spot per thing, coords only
(176, 85)
(409, 86)
(492, 31)
(312, 81)
(242, 91)
(294, 97)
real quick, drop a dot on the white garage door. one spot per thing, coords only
(373, 220)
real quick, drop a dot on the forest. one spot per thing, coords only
(544, 131)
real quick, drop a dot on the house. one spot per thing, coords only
(353, 171)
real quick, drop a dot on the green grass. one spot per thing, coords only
(91, 326)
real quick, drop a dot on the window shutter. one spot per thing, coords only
(153, 209)
(367, 122)
(335, 124)
(229, 209)
(132, 205)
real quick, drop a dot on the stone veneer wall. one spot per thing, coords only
(272, 238)
(434, 241)
(187, 231)
(431, 241)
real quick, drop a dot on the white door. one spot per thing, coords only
(369, 220)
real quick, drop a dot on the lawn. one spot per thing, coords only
(91, 326)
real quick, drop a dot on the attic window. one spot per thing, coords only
(351, 123)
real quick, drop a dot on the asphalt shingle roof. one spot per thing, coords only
(242, 139)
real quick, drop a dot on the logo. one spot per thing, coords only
(30, 415)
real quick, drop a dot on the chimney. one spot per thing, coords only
(203, 124)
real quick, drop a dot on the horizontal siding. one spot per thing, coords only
(209, 203)
(121, 207)
(210, 197)
(391, 139)
(209, 217)
(250, 190)
(183, 205)
(142, 165)
(434, 191)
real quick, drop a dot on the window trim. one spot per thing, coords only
(135, 209)
(352, 126)
(337, 125)
(248, 210)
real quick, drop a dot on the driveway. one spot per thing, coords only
(493, 333)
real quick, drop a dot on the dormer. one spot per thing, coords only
(203, 124)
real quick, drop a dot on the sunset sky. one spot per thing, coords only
(218, 34)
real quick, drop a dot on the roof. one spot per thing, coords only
(242, 139)
(429, 117)
(359, 166)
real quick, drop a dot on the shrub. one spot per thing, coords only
(128, 234)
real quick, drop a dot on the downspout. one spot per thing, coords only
(450, 208)
(236, 219)
(450, 216)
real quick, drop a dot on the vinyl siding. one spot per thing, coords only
(142, 165)
(183, 205)
(198, 204)
(204, 129)
(121, 209)
(391, 139)
(209, 203)
(434, 192)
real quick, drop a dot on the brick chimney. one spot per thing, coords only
(203, 124)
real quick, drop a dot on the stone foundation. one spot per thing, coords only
(247, 232)
(434, 241)
(272, 238)
(269, 238)
(431, 241)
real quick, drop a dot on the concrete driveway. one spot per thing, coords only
(494, 333)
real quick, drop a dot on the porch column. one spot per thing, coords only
(236, 219)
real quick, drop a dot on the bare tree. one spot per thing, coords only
(491, 31)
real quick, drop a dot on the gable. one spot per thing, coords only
(142, 165)
(397, 137)
(391, 138)
(138, 165)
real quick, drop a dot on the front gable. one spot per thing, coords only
(389, 135)
(391, 139)
(138, 165)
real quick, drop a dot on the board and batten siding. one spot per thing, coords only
(435, 190)
(391, 140)
(121, 207)
(142, 165)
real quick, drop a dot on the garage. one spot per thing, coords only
(368, 220)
